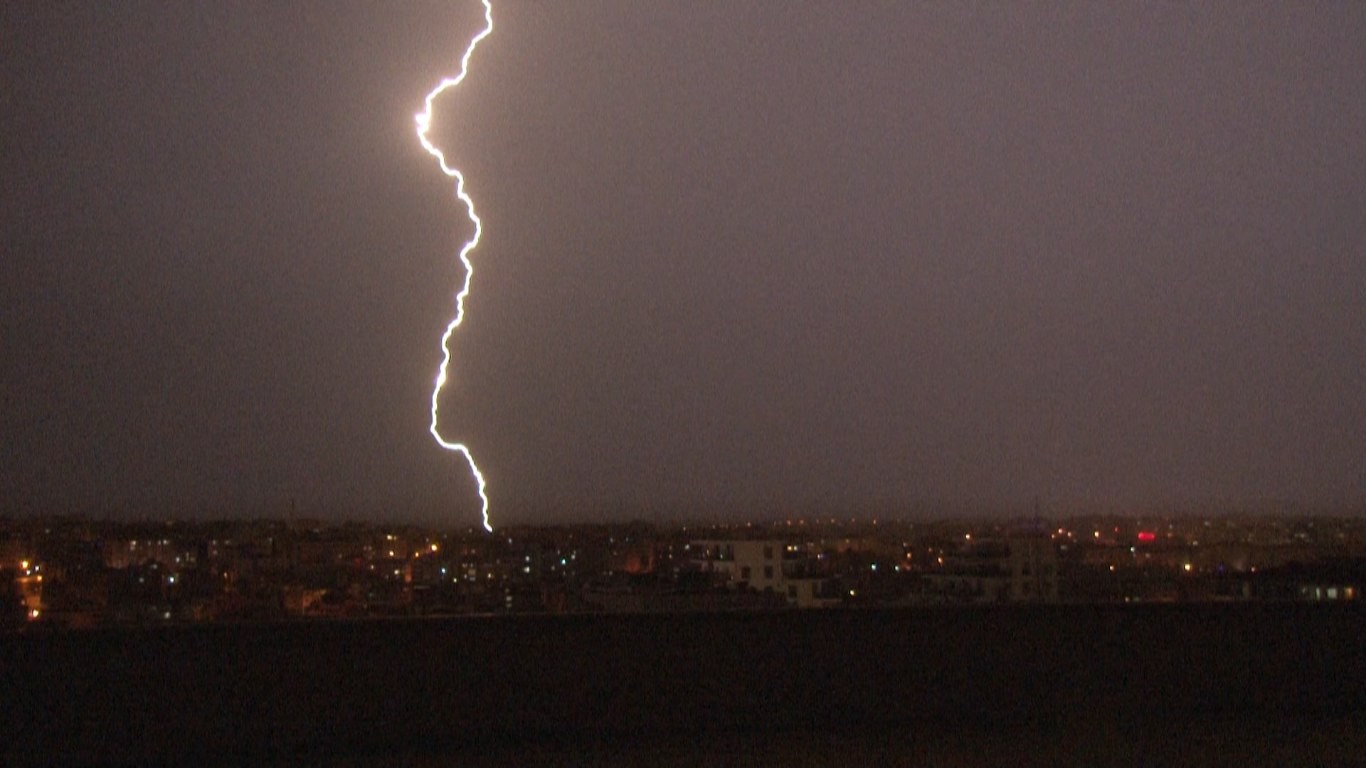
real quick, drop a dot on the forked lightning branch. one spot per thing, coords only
(424, 125)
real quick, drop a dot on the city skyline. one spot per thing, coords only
(734, 258)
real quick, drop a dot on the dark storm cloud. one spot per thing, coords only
(737, 255)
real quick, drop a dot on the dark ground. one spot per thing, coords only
(1253, 684)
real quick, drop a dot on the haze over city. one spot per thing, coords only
(737, 258)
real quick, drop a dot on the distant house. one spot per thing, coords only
(1016, 569)
(743, 564)
(761, 565)
(1327, 580)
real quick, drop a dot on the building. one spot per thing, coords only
(1017, 569)
(742, 564)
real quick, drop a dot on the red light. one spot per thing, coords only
(1147, 537)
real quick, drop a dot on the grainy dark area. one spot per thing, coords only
(951, 686)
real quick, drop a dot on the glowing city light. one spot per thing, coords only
(424, 124)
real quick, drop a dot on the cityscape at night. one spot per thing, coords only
(623, 383)
(72, 573)
(1086, 640)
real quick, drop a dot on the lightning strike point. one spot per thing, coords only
(424, 124)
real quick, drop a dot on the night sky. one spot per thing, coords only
(739, 258)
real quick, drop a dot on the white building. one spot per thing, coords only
(759, 565)
(745, 564)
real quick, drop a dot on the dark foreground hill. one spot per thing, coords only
(1119, 685)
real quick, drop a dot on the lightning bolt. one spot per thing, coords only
(424, 125)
